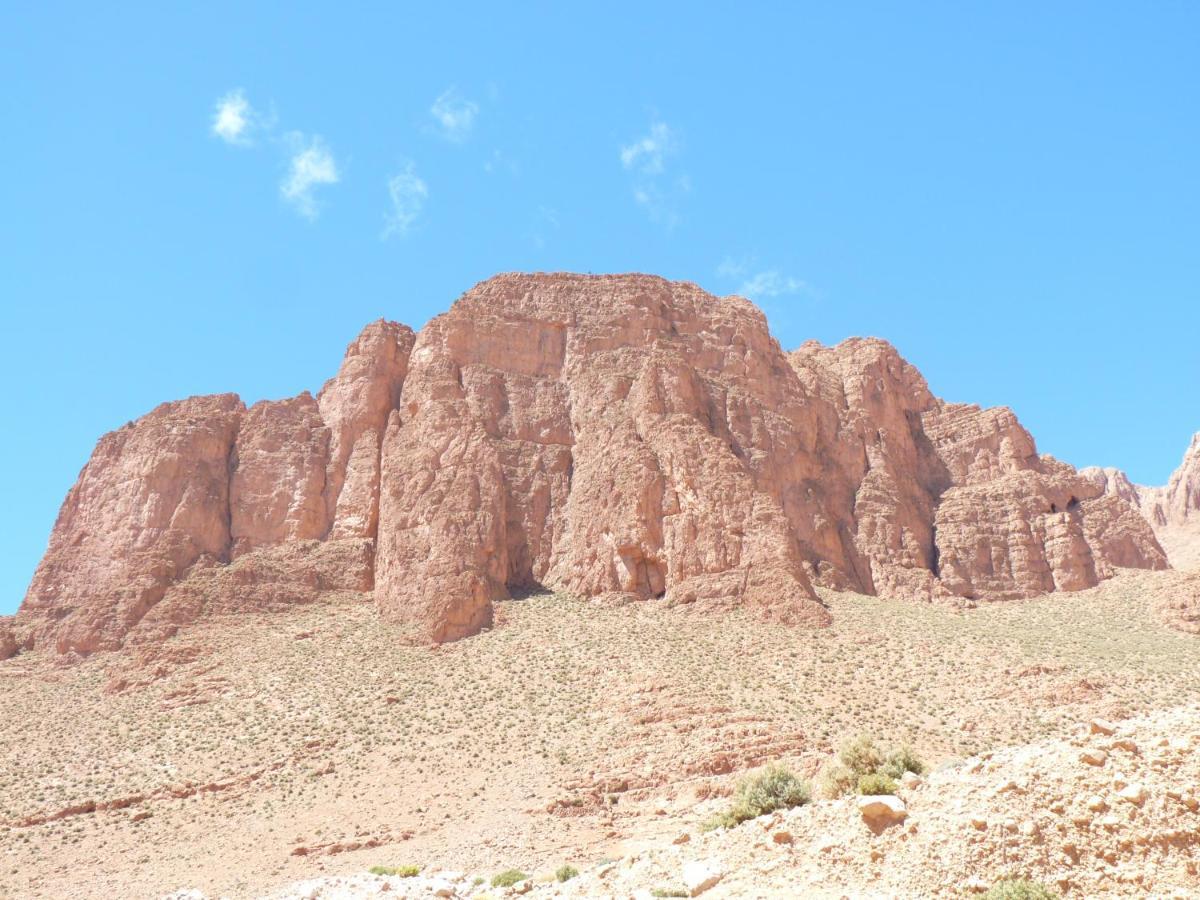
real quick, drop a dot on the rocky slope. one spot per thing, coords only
(1173, 510)
(1109, 812)
(618, 437)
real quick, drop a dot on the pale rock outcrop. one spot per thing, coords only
(616, 437)
(1173, 509)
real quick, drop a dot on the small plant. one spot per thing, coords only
(399, 871)
(508, 878)
(876, 783)
(902, 760)
(774, 788)
(668, 892)
(860, 755)
(837, 781)
(1019, 889)
(566, 873)
(863, 768)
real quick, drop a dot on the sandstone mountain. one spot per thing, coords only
(1173, 510)
(615, 437)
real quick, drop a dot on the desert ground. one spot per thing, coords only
(249, 753)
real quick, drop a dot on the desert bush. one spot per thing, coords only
(861, 755)
(668, 892)
(566, 873)
(1019, 889)
(400, 871)
(837, 780)
(775, 787)
(508, 878)
(875, 783)
(860, 760)
(902, 760)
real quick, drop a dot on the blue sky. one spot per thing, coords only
(219, 199)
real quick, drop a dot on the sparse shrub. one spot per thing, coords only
(774, 788)
(399, 871)
(837, 780)
(668, 892)
(861, 755)
(508, 878)
(1019, 889)
(566, 873)
(902, 760)
(876, 783)
(860, 762)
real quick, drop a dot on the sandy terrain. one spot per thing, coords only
(249, 753)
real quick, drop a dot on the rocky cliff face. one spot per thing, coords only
(1173, 510)
(618, 437)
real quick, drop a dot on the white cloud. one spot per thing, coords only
(732, 268)
(454, 114)
(770, 284)
(655, 190)
(648, 154)
(234, 119)
(408, 194)
(759, 284)
(311, 165)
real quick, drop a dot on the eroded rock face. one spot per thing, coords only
(9, 645)
(1173, 510)
(618, 437)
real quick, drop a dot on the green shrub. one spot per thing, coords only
(860, 758)
(775, 787)
(508, 878)
(1019, 889)
(566, 873)
(861, 755)
(401, 871)
(876, 783)
(668, 892)
(837, 781)
(902, 760)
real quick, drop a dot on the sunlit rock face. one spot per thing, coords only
(615, 437)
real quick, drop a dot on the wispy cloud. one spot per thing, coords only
(648, 154)
(234, 119)
(311, 166)
(454, 115)
(655, 190)
(408, 194)
(761, 284)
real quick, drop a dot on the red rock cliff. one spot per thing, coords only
(617, 436)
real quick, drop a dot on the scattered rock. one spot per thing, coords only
(882, 810)
(700, 875)
(1134, 793)
(1102, 726)
(1093, 757)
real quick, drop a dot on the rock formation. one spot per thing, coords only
(1173, 510)
(618, 437)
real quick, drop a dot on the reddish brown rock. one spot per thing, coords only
(152, 501)
(9, 645)
(355, 406)
(1173, 510)
(612, 436)
(278, 489)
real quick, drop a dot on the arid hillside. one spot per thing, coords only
(257, 750)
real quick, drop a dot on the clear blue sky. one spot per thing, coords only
(219, 199)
